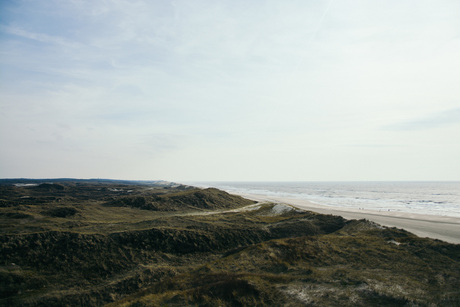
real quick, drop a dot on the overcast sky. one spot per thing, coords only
(230, 89)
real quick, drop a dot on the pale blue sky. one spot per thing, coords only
(230, 90)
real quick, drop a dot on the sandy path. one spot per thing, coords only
(432, 226)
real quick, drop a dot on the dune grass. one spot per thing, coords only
(136, 245)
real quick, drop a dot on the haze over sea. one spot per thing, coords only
(430, 198)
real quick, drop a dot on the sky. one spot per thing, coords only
(231, 90)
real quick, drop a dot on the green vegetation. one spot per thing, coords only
(126, 244)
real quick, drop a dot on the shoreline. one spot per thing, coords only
(445, 228)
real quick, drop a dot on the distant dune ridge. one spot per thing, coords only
(126, 243)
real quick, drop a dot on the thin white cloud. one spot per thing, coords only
(321, 20)
(40, 37)
(230, 82)
(433, 121)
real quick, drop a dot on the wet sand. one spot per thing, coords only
(437, 227)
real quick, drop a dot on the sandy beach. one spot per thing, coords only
(438, 227)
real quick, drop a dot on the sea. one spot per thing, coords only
(431, 198)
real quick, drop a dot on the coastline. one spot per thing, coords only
(444, 228)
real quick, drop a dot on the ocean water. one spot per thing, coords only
(433, 198)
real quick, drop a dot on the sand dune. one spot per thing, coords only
(438, 227)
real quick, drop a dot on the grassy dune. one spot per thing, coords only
(124, 244)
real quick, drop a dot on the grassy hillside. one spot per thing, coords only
(93, 243)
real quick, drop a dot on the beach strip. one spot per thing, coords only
(444, 228)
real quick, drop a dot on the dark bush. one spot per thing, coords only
(60, 212)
